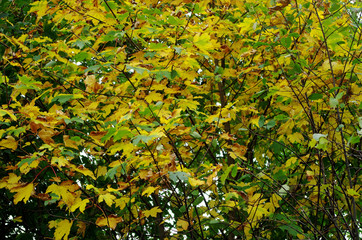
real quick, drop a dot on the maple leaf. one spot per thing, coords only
(152, 212)
(62, 228)
(177, 104)
(195, 182)
(149, 190)
(64, 191)
(79, 203)
(5, 112)
(9, 142)
(108, 198)
(82, 170)
(110, 221)
(23, 192)
(46, 135)
(182, 224)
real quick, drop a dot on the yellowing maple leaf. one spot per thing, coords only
(63, 191)
(85, 171)
(9, 142)
(353, 193)
(92, 84)
(154, 96)
(108, 198)
(182, 224)
(111, 221)
(13, 178)
(4, 112)
(296, 137)
(290, 161)
(195, 182)
(101, 171)
(79, 203)
(122, 202)
(204, 42)
(18, 219)
(152, 212)
(62, 228)
(46, 135)
(149, 191)
(59, 161)
(23, 193)
(69, 143)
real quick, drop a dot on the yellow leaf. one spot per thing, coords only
(40, 7)
(122, 202)
(64, 191)
(152, 212)
(210, 178)
(247, 25)
(154, 96)
(182, 224)
(92, 84)
(13, 178)
(18, 219)
(108, 198)
(290, 161)
(79, 203)
(90, 186)
(23, 193)
(59, 161)
(9, 142)
(195, 182)
(111, 221)
(353, 193)
(256, 212)
(101, 171)
(296, 137)
(4, 112)
(184, 104)
(83, 170)
(62, 228)
(149, 191)
(204, 42)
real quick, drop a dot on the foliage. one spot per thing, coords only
(181, 119)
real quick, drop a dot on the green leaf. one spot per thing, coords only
(225, 174)
(198, 200)
(111, 172)
(121, 133)
(109, 134)
(179, 176)
(261, 121)
(62, 98)
(195, 135)
(354, 139)
(286, 42)
(234, 171)
(292, 229)
(27, 160)
(315, 96)
(270, 124)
